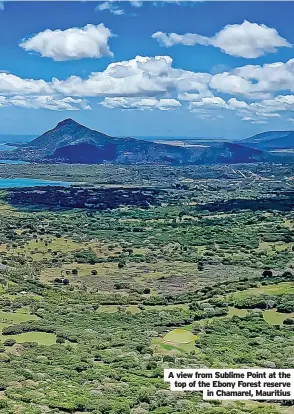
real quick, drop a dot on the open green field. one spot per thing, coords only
(40, 249)
(279, 289)
(179, 336)
(42, 338)
(8, 318)
(176, 341)
(16, 317)
(237, 312)
(273, 317)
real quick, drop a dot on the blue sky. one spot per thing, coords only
(202, 69)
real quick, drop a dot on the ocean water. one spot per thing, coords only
(29, 182)
(4, 147)
(22, 182)
(13, 162)
(4, 138)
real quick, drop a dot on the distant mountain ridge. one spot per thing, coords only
(270, 140)
(72, 142)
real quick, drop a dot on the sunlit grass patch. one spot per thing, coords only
(178, 340)
(272, 317)
(107, 309)
(271, 247)
(278, 289)
(160, 347)
(179, 336)
(16, 317)
(289, 223)
(8, 209)
(237, 312)
(42, 338)
(41, 248)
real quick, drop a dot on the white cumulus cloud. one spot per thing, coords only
(211, 102)
(138, 77)
(256, 81)
(248, 40)
(75, 43)
(112, 8)
(11, 84)
(141, 104)
(136, 3)
(47, 102)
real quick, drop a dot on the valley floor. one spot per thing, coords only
(135, 269)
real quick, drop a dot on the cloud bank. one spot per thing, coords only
(253, 92)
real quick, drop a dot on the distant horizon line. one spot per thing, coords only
(167, 137)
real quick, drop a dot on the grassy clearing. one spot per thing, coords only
(16, 317)
(237, 312)
(163, 348)
(169, 347)
(279, 289)
(16, 296)
(42, 338)
(8, 318)
(8, 209)
(179, 336)
(84, 270)
(270, 248)
(179, 340)
(59, 244)
(38, 249)
(272, 317)
(289, 223)
(161, 276)
(107, 309)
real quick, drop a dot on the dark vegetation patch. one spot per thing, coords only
(87, 198)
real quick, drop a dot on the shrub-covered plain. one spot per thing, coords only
(96, 300)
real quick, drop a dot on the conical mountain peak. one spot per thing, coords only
(66, 122)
